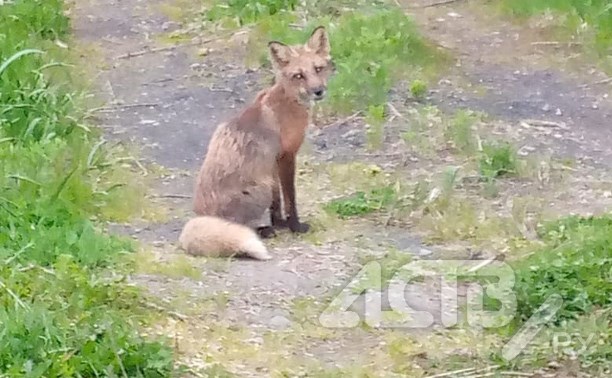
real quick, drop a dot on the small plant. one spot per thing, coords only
(362, 203)
(418, 89)
(375, 118)
(497, 160)
(460, 131)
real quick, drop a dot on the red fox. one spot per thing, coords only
(252, 157)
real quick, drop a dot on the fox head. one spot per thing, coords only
(303, 70)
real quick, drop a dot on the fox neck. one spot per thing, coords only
(290, 115)
(281, 100)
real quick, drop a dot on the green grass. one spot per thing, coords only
(373, 47)
(596, 15)
(460, 131)
(375, 117)
(497, 159)
(62, 313)
(575, 264)
(362, 203)
(418, 89)
(244, 12)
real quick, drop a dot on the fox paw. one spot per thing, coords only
(297, 227)
(266, 232)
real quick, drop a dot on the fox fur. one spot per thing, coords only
(251, 157)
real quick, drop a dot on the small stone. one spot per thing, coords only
(350, 134)
(546, 107)
(280, 322)
(168, 25)
(425, 252)
(558, 112)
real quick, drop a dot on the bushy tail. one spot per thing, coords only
(216, 237)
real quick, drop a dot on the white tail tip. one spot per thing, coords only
(255, 248)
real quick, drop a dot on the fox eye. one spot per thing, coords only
(298, 76)
(318, 69)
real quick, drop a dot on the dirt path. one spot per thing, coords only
(505, 72)
(251, 317)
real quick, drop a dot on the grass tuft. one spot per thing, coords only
(576, 264)
(362, 203)
(498, 159)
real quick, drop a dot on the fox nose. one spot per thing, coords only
(319, 92)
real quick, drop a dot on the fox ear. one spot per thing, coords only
(280, 54)
(319, 41)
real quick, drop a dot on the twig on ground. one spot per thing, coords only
(528, 123)
(600, 82)
(174, 314)
(498, 257)
(439, 3)
(227, 90)
(172, 196)
(342, 121)
(481, 375)
(474, 371)
(394, 110)
(453, 373)
(555, 43)
(196, 42)
(106, 109)
(165, 48)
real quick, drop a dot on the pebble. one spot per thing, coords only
(280, 322)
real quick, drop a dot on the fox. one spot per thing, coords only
(251, 158)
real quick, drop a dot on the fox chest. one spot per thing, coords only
(292, 136)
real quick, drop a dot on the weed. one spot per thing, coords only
(460, 131)
(375, 118)
(418, 89)
(497, 159)
(362, 203)
(244, 12)
(421, 132)
(576, 264)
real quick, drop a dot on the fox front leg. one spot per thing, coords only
(276, 213)
(286, 165)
